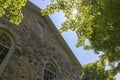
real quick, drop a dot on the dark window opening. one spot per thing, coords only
(49, 72)
(39, 25)
(5, 44)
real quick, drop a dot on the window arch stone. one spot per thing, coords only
(50, 72)
(7, 46)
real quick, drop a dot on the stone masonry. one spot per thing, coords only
(34, 47)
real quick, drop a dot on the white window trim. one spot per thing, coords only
(10, 52)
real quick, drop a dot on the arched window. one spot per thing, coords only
(49, 72)
(7, 45)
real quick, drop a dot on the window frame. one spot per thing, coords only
(45, 68)
(10, 52)
(40, 25)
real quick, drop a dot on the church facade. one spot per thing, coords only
(35, 50)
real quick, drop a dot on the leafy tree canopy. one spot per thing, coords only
(95, 20)
(95, 71)
(12, 10)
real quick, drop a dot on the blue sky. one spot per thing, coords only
(70, 37)
(83, 56)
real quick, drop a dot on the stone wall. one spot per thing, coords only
(36, 47)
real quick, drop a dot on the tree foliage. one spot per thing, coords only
(95, 71)
(96, 20)
(12, 10)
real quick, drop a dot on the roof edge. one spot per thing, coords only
(57, 34)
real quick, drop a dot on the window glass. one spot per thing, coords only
(7, 47)
(5, 44)
(39, 26)
(49, 72)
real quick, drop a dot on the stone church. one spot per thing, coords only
(35, 50)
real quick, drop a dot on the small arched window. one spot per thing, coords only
(49, 72)
(7, 45)
(39, 25)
